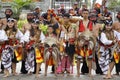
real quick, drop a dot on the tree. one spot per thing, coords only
(114, 4)
(18, 5)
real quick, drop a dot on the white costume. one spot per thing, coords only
(104, 59)
(8, 52)
(30, 60)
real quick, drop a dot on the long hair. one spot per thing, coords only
(32, 31)
(14, 29)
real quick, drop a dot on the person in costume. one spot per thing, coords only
(34, 58)
(51, 51)
(83, 25)
(14, 39)
(3, 38)
(24, 24)
(8, 14)
(27, 25)
(108, 44)
(117, 28)
(97, 28)
(68, 34)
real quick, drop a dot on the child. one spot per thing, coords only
(34, 58)
(14, 37)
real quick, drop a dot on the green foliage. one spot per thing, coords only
(18, 5)
(43, 28)
(113, 4)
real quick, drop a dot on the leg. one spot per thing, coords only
(90, 66)
(111, 68)
(53, 69)
(37, 69)
(14, 68)
(23, 70)
(84, 68)
(68, 65)
(109, 76)
(46, 67)
(117, 68)
(98, 69)
(78, 67)
(2, 68)
(63, 62)
(6, 72)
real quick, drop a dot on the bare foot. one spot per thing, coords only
(90, 75)
(15, 74)
(107, 77)
(6, 75)
(45, 74)
(62, 74)
(78, 75)
(30, 73)
(37, 76)
(55, 73)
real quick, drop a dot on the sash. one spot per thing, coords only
(82, 27)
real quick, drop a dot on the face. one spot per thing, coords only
(118, 15)
(93, 18)
(108, 27)
(35, 25)
(50, 30)
(85, 14)
(30, 17)
(38, 10)
(72, 11)
(49, 11)
(8, 13)
(62, 7)
(10, 24)
(75, 5)
(66, 20)
(105, 10)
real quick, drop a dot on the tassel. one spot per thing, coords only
(39, 58)
(82, 53)
(116, 57)
(18, 56)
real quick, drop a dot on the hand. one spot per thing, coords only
(114, 41)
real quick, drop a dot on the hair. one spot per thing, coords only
(9, 10)
(85, 10)
(66, 15)
(14, 29)
(32, 31)
(117, 14)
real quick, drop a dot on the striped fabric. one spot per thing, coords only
(29, 64)
(6, 58)
(104, 61)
